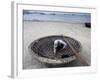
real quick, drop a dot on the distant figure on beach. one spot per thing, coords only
(59, 45)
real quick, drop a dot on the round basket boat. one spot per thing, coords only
(42, 49)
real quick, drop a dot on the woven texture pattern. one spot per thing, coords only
(44, 47)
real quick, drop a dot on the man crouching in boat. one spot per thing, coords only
(59, 45)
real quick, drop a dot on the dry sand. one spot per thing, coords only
(35, 30)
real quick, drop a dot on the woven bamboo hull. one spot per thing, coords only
(47, 57)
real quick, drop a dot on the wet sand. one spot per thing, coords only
(35, 30)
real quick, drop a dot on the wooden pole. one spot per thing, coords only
(76, 54)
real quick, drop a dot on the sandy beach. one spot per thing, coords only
(35, 30)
